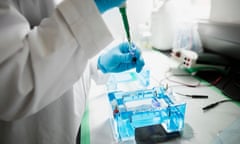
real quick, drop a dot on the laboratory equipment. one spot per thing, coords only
(123, 13)
(129, 79)
(222, 39)
(221, 42)
(186, 57)
(140, 108)
(163, 24)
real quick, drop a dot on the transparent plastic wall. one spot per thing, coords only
(128, 79)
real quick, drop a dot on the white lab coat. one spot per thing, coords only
(39, 66)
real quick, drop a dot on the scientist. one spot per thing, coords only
(47, 55)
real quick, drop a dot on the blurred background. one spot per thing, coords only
(157, 22)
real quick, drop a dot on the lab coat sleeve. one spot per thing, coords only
(39, 65)
(97, 75)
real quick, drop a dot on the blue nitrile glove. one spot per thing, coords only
(104, 5)
(119, 59)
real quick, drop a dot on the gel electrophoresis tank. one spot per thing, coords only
(141, 108)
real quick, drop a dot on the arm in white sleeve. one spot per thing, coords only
(97, 75)
(37, 66)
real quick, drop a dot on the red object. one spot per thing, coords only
(115, 111)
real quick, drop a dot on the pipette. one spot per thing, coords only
(123, 13)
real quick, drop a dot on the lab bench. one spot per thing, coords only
(200, 127)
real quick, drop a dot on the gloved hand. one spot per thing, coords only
(104, 5)
(119, 59)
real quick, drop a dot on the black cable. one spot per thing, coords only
(210, 106)
(198, 96)
(194, 96)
